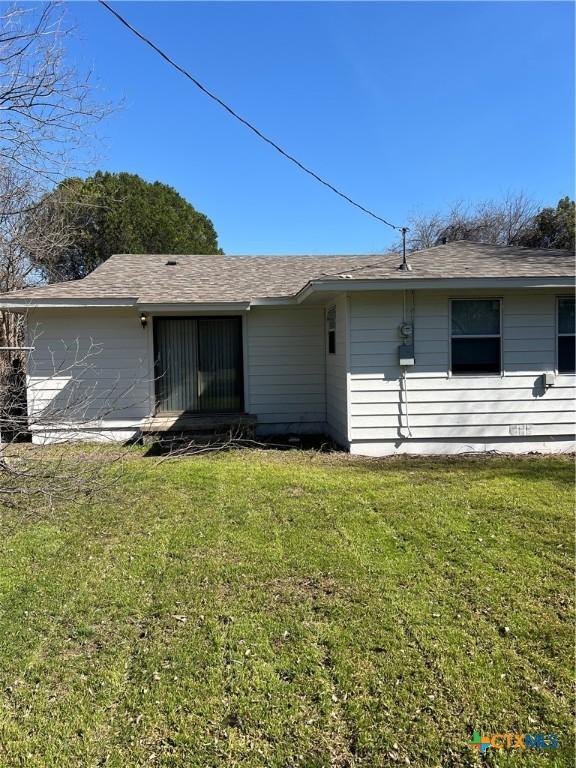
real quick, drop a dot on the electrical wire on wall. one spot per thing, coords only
(403, 377)
(404, 392)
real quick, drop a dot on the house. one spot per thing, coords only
(471, 349)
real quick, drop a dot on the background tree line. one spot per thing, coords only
(121, 213)
(514, 220)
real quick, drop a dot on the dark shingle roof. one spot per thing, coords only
(149, 278)
(209, 279)
(463, 259)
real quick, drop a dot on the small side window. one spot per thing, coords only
(331, 330)
(475, 336)
(566, 335)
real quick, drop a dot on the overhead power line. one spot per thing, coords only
(242, 120)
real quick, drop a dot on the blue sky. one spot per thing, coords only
(406, 106)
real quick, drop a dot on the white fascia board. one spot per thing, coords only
(395, 284)
(179, 307)
(23, 305)
(280, 301)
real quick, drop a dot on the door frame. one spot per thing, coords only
(153, 392)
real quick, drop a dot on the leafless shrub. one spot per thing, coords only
(179, 446)
(63, 410)
(501, 222)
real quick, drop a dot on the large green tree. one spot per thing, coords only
(119, 213)
(552, 227)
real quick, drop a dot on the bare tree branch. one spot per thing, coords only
(46, 119)
(46, 106)
(502, 222)
(62, 402)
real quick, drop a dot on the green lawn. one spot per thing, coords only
(283, 609)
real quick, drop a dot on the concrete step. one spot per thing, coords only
(198, 423)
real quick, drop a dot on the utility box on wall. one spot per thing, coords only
(406, 354)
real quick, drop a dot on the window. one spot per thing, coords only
(566, 335)
(475, 342)
(331, 330)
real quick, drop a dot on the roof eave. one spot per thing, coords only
(190, 306)
(274, 301)
(413, 283)
(319, 285)
(24, 305)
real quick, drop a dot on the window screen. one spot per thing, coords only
(566, 335)
(475, 336)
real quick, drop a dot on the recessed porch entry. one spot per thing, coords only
(198, 364)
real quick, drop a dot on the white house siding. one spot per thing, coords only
(336, 376)
(285, 381)
(95, 367)
(445, 414)
(89, 370)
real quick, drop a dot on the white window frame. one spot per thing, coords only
(557, 336)
(500, 336)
